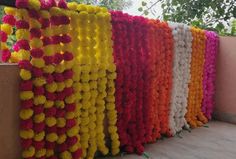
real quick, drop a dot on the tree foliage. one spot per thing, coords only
(233, 28)
(110, 4)
(216, 15)
(1, 13)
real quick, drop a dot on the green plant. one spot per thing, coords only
(110, 4)
(213, 15)
(233, 28)
(1, 13)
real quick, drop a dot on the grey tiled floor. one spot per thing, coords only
(216, 142)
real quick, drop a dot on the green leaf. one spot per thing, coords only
(195, 23)
(220, 26)
(146, 12)
(174, 2)
(166, 17)
(146, 155)
(140, 9)
(234, 12)
(163, 5)
(144, 3)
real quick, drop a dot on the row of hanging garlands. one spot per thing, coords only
(82, 66)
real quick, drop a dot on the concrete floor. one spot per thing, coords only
(216, 142)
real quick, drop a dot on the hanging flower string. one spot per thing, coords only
(82, 66)
(182, 50)
(209, 73)
(111, 76)
(194, 115)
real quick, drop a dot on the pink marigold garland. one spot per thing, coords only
(209, 73)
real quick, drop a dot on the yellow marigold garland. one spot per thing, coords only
(101, 55)
(84, 62)
(91, 31)
(74, 33)
(111, 76)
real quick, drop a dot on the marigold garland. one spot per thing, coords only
(40, 118)
(71, 83)
(182, 52)
(102, 82)
(92, 20)
(51, 109)
(27, 132)
(111, 76)
(209, 73)
(118, 32)
(194, 115)
(135, 68)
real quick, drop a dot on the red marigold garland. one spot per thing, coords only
(117, 28)
(136, 67)
(147, 79)
(137, 59)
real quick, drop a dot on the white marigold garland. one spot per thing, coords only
(181, 75)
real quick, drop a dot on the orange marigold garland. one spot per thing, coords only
(157, 35)
(194, 115)
(166, 72)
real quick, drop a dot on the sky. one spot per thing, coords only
(133, 10)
